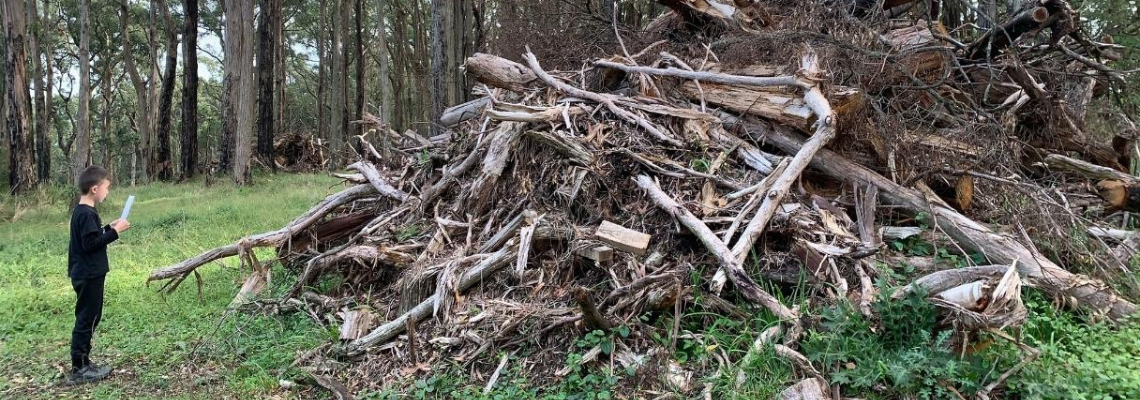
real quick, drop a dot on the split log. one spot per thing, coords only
(769, 97)
(356, 324)
(499, 72)
(274, 238)
(502, 143)
(727, 261)
(943, 280)
(1082, 291)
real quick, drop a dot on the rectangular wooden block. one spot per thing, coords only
(623, 238)
(598, 253)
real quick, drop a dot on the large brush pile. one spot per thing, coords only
(758, 143)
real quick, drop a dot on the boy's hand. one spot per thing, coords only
(121, 225)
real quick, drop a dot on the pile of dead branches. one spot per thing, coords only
(296, 152)
(582, 200)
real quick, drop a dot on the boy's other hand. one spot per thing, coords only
(121, 225)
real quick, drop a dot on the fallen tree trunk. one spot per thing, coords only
(454, 115)
(1084, 292)
(274, 238)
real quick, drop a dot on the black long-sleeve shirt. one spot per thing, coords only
(87, 252)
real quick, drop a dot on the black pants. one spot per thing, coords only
(88, 312)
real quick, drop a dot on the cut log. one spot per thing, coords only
(1120, 195)
(1119, 190)
(921, 55)
(622, 238)
(598, 254)
(993, 42)
(1081, 291)
(499, 72)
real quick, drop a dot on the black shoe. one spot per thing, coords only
(87, 374)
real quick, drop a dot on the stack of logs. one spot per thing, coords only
(601, 191)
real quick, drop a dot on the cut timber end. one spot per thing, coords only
(598, 254)
(1120, 195)
(622, 238)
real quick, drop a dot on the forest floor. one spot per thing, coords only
(185, 346)
(177, 346)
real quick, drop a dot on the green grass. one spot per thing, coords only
(177, 345)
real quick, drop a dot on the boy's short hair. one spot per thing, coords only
(91, 177)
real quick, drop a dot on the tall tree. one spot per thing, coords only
(164, 169)
(360, 82)
(82, 157)
(322, 72)
(239, 67)
(21, 167)
(41, 55)
(229, 124)
(339, 83)
(384, 79)
(266, 66)
(279, 73)
(143, 92)
(438, 87)
(189, 133)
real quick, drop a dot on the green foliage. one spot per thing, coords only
(1078, 360)
(902, 351)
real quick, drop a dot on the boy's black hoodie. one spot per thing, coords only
(87, 252)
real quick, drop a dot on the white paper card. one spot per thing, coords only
(127, 208)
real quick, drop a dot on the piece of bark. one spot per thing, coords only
(499, 72)
(727, 261)
(807, 389)
(622, 238)
(456, 114)
(356, 324)
(499, 152)
(1081, 291)
(590, 314)
(339, 391)
(274, 238)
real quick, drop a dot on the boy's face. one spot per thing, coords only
(99, 192)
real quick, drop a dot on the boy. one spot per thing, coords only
(87, 267)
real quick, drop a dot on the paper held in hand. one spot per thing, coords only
(127, 208)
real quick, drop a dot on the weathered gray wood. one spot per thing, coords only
(1082, 291)
(727, 261)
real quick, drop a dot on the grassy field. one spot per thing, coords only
(161, 347)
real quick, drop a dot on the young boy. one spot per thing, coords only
(87, 267)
